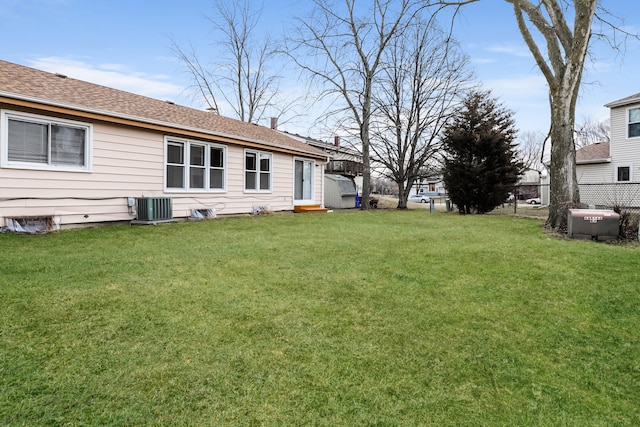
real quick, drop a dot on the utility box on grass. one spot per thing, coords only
(339, 192)
(596, 224)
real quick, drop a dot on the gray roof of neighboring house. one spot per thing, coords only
(53, 90)
(594, 153)
(624, 101)
(326, 146)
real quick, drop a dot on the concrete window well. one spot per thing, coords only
(595, 224)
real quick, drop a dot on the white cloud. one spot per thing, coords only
(519, 51)
(116, 76)
(519, 87)
(525, 94)
(113, 67)
(483, 61)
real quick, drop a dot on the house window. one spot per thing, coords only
(197, 169)
(303, 180)
(216, 167)
(257, 171)
(175, 165)
(39, 142)
(623, 173)
(194, 166)
(634, 122)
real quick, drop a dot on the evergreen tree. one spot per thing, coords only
(480, 165)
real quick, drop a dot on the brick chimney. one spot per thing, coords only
(274, 123)
(336, 141)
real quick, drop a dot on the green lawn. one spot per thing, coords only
(381, 318)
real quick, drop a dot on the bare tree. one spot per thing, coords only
(561, 63)
(342, 48)
(530, 150)
(239, 78)
(591, 131)
(204, 83)
(560, 48)
(425, 75)
(383, 185)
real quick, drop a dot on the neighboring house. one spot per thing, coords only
(618, 160)
(343, 164)
(529, 176)
(625, 138)
(609, 172)
(431, 185)
(78, 153)
(528, 185)
(340, 160)
(593, 164)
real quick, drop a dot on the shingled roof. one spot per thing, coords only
(47, 89)
(624, 101)
(594, 153)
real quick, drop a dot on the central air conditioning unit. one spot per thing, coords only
(153, 210)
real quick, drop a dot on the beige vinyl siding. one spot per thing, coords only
(128, 162)
(624, 151)
(130, 154)
(132, 171)
(71, 211)
(124, 164)
(618, 125)
(594, 173)
(282, 180)
(236, 200)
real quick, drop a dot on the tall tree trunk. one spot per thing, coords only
(366, 161)
(402, 196)
(564, 192)
(560, 57)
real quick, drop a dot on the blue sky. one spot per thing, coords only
(126, 44)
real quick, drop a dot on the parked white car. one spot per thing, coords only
(534, 201)
(418, 198)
